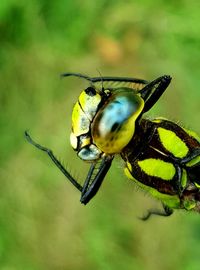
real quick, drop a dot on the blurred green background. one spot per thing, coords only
(42, 224)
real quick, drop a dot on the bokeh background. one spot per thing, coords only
(42, 224)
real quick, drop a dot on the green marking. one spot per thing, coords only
(172, 143)
(188, 205)
(158, 168)
(197, 185)
(193, 161)
(184, 178)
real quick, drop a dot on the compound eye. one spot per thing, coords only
(114, 125)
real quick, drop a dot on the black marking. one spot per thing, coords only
(114, 126)
(90, 91)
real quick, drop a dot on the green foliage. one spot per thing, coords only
(42, 224)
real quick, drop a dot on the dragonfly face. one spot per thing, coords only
(103, 122)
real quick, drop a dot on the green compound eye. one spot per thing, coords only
(161, 157)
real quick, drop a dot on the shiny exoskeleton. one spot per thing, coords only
(160, 156)
(166, 164)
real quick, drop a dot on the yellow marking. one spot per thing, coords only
(184, 178)
(171, 201)
(159, 120)
(85, 141)
(128, 164)
(127, 173)
(193, 161)
(192, 134)
(158, 168)
(173, 143)
(89, 104)
(80, 122)
(73, 140)
(107, 92)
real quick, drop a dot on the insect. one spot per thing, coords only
(160, 156)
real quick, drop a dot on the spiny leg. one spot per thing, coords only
(106, 78)
(55, 160)
(150, 92)
(164, 213)
(90, 189)
(91, 185)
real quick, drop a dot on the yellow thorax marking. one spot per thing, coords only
(172, 143)
(158, 168)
